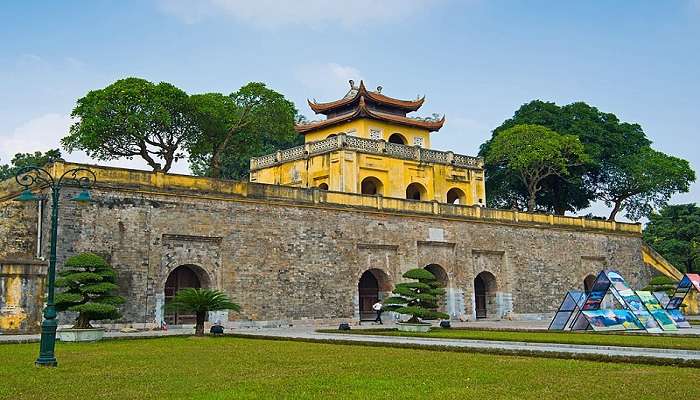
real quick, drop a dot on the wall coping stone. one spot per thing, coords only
(158, 183)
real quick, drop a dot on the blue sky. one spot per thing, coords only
(476, 61)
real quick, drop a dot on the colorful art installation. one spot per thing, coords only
(637, 312)
(688, 283)
(652, 304)
(612, 320)
(572, 303)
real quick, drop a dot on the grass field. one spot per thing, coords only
(235, 368)
(601, 339)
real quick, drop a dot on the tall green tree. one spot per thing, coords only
(603, 136)
(21, 160)
(642, 182)
(134, 118)
(674, 232)
(534, 153)
(247, 123)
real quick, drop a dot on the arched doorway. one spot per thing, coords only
(397, 138)
(373, 286)
(588, 282)
(416, 191)
(181, 277)
(442, 277)
(371, 186)
(456, 196)
(323, 186)
(485, 295)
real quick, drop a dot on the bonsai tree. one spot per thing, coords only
(418, 299)
(201, 301)
(90, 287)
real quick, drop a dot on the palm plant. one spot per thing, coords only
(201, 301)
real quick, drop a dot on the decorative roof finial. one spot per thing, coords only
(352, 84)
(379, 89)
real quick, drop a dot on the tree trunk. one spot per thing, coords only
(215, 165)
(199, 328)
(82, 322)
(559, 209)
(531, 203)
(615, 210)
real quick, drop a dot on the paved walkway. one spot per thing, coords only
(483, 345)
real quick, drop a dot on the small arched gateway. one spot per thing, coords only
(397, 138)
(456, 196)
(371, 186)
(184, 276)
(588, 282)
(374, 285)
(485, 295)
(416, 191)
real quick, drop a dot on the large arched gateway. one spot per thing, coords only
(374, 285)
(485, 295)
(442, 277)
(184, 276)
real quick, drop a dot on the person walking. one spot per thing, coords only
(378, 307)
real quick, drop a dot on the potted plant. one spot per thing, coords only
(419, 299)
(201, 301)
(90, 287)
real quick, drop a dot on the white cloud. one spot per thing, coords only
(327, 80)
(45, 132)
(276, 13)
(39, 134)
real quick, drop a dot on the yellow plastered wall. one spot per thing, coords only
(362, 127)
(344, 171)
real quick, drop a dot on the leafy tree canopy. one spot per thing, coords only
(641, 182)
(674, 232)
(418, 299)
(533, 153)
(250, 122)
(89, 287)
(21, 160)
(622, 169)
(133, 118)
(603, 136)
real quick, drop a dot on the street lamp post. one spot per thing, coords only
(32, 176)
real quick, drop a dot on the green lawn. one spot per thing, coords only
(236, 368)
(603, 339)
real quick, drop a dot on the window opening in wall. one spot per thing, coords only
(397, 138)
(415, 191)
(371, 186)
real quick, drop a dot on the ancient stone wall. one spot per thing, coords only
(286, 260)
(18, 228)
(22, 286)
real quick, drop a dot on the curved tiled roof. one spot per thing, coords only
(363, 111)
(354, 96)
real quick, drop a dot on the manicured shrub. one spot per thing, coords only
(89, 288)
(418, 299)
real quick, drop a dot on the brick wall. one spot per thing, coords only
(283, 260)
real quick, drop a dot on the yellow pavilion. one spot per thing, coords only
(367, 144)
